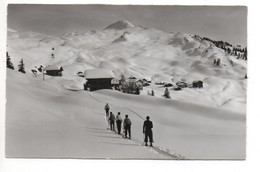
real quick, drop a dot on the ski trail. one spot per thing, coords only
(160, 150)
(163, 151)
(135, 113)
(94, 97)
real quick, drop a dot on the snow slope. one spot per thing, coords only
(206, 123)
(45, 120)
(60, 124)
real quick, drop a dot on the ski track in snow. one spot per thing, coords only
(155, 148)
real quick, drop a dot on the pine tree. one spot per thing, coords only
(245, 54)
(166, 94)
(218, 61)
(123, 84)
(229, 51)
(137, 91)
(9, 64)
(152, 93)
(122, 79)
(21, 66)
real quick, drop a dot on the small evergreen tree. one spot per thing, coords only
(123, 84)
(215, 62)
(229, 51)
(21, 66)
(9, 64)
(152, 93)
(40, 68)
(245, 54)
(218, 61)
(137, 91)
(122, 79)
(238, 55)
(166, 94)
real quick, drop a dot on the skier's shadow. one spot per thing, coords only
(123, 144)
(99, 130)
(110, 137)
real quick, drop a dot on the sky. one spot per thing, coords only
(227, 23)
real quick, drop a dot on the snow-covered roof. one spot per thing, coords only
(98, 73)
(52, 67)
(114, 81)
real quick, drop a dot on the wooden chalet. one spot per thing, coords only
(53, 70)
(98, 79)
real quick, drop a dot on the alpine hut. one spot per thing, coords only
(53, 70)
(98, 79)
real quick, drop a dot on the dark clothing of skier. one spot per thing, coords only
(107, 114)
(127, 126)
(112, 121)
(147, 130)
(107, 109)
(118, 123)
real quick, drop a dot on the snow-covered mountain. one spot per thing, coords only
(143, 53)
(135, 51)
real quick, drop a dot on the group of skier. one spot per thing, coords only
(111, 119)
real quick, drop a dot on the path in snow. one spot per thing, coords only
(156, 148)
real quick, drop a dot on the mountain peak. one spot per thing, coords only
(119, 25)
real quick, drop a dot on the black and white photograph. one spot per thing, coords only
(120, 82)
(131, 86)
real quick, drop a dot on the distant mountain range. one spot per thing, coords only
(131, 50)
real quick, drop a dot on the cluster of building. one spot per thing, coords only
(105, 79)
(97, 79)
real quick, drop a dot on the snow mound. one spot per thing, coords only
(119, 25)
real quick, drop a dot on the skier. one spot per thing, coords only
(112, 121)
(127, 126)
(147, 130)
(107, 109)
(107, 113)
(118, 122)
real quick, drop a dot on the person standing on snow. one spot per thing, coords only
(112, 121)
(107, 113)
(107, 109)
(147, 130)
(118, 122)
(127, 126)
